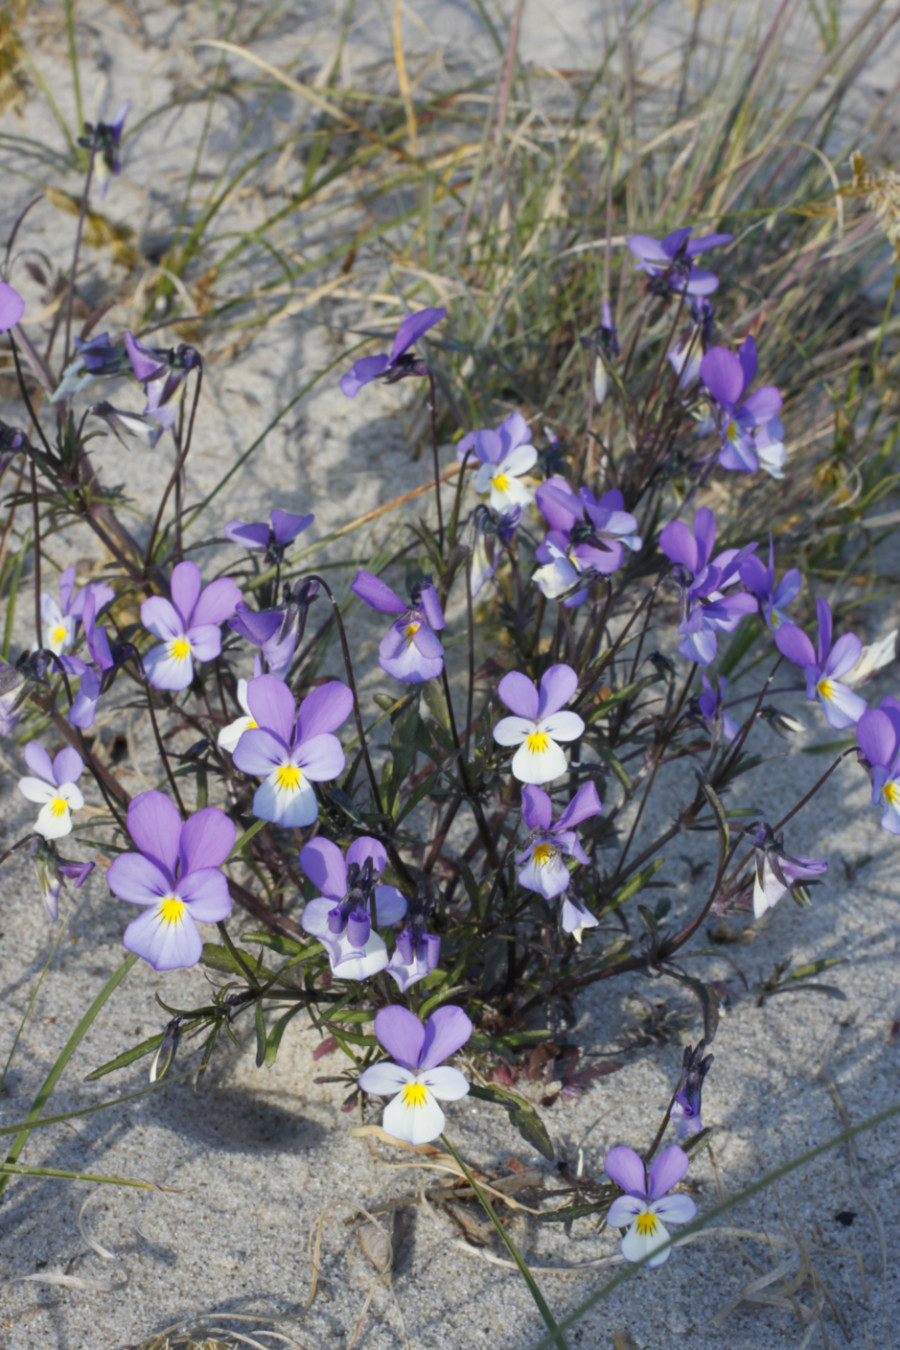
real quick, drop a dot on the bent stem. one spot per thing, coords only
(554, 1335)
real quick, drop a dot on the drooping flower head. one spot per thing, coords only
(162, 373)
(712, 709)
(538, 724)
(54, 786)
(705, 608)
(52, 870)
(98, 358)
(189, 625)
(760, 581)
(823, 666)
(272, 630)
(271, 539)
(175, 877)
(669, 262)
(543, 862)
(777, 871)
(646, 1202)
(290, 749)
(400, 362)
(878, 735)
(685, 1113)
(587, 538)
(574, 917)
(503, 456)
(411, 651)
(489, 535)
(417, 1074)
(104, 139)
(727, 378)
(351, 905)
(416, 954)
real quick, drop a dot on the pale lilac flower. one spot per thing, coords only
(98, 358)
(162, 373)
(416, 954)
(400, 362)
(270, 539)
(760, 581)
(52, 870)
(705, 608)
(712, 708)
(824, 665)
(411, 651)
(344, 917)
(574, 918)
(777, 871)
(417, 1074)
(669, 262)
(538, 724)
(727, 378)
(290, 749)
(646, 1202)
(587, 538)
(55, 786)
(175, 877)
(272, 630)
(544, 868)
(878, 735)
(189, 624)
(685, 1113)
(504, 456)
(12, 307)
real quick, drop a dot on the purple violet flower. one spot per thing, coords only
(104, 139)
(59, 617)
(351, 905)
(503, 455)
(55, 786)
(777, 871)
(411, 651)
(646, 1202)
(586, 537)
(823, 667)
(189, 624)
(272, 630)
(416, 954)
(12, 307)
(290, 749)
(417, 1074)
(705, 609)
(538, 723)
(400, 362)
(97, 359)
(685, 1113)
(162, 373)
(713, 711)
(176, 877)
(52, 870)
(727, 378)
(574, 918)
(544, 867)
(760, 581)
(669, 261)
(878, 735)
(489, 535)
(270, 539)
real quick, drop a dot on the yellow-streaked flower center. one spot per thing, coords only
(537, 742)
(501, 482)
(543, 853)
(171, 909)
(891, 793)
(180, 649)
(251, 725)
(58, 806)
(59, 634)
(646, 1225)
(411, 629)
(731, 433)
(287, 777)
(826, 689)
(414, 1094)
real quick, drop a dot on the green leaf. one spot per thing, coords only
(274, 1038)
(707, 998)
(637, 883)
(261, 1038)
(718, 811)
(219, 958)
(521, 1114)
(127, 1057)
(403, 743)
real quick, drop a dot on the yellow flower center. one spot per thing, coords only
(646, 1224)
(171, 909)
(537, 742)
(824, 687)
(501, 482)
(732, 431)
(58, 806)
(59, 634)
(180, 649)
(414, 1094)
(287, 777)
(891, 793)
(543, 853)
(410, 630)
(251, 725)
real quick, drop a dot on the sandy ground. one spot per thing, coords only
(252, 1160)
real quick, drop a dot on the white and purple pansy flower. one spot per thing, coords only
(175, 877)
(646, 1203)
(670, 261)
(411, 651)
(417, 1078)
(543, 863)
(878, 735)
(271, 539)
(59, 618)
(54, 786)
(760, 581)
(776, 872)
(351, 905)
(503, 457)
(703, 580)
(189, 625)
(586, 538)
(741, 416)
(539, 723)
(290, 749)
(400, 362)
(824, 665)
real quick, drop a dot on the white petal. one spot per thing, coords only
(563, 726)
(230, 735)
(446, 1083)
(635, 1245)
(36, 790)
(285, 806)
(538, 765)
(385, 1079)
(416, 1124)
(675, 1208)
(53, 823)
